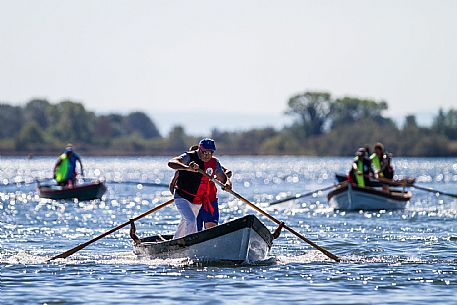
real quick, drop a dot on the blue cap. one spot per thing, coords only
(68, 149)
(207, 144)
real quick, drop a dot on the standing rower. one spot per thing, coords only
(194, 190)
(65, 167)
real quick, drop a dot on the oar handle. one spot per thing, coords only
(83, 245)
(139, 182)
(329, 254)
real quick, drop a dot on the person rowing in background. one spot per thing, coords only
(205, 218)
(361, 168)
(193, 190)
(382, 164)
(65, 167)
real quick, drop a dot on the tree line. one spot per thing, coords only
(322, 125)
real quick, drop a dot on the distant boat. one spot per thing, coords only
(243, 240)
(84, 191)
(350, 198)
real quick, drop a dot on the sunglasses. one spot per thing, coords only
(207, 152)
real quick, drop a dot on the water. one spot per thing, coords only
(388, 257)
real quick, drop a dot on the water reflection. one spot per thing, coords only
(384, 252)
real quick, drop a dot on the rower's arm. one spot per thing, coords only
(224, 177)
(55, 167)
(81, 165)
(177, 163)
(354, 167)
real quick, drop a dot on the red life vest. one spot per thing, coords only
(195, 187)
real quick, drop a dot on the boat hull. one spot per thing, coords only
(243, 240)
(351, 198)
(86, 191)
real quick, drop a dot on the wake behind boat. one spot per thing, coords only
(85, 191)
(243, 240)
(350, 197)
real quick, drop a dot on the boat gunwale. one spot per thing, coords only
(398, 196)
(97, 189)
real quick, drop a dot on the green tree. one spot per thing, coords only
(312, 109)
(177, 139)
(39, 111)
(139, 122)
(11, 120)
(74, 122)
(446, 124)
(348, 110)
(31, 135)
(410, 123)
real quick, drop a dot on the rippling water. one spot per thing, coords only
(388, 257)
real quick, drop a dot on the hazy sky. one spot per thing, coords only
(215, 57)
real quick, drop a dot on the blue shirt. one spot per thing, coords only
(72, 164)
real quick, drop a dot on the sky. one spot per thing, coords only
(228, 64)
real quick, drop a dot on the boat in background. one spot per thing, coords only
(243, 240)
(84, 191)
(349, 197)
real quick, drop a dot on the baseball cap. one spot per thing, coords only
(207, 144)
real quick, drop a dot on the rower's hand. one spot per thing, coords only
(193, 167)
(359, 173)
(227, 186)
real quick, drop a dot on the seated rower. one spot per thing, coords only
(382, 164)
(361, 168)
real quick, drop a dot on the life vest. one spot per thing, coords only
(196, 188)
(62, 169)
(359, 178)
(377, 164)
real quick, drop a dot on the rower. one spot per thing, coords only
(205, 218)
(361, 168)
(193, 190)
(382, 164)
(65, 167)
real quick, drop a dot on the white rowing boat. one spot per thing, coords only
(243, 240)
(350, 197)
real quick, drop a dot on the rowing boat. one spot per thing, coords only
(243, 240)
(350, 197)
(85, 191)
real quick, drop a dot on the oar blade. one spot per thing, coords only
(83, 245)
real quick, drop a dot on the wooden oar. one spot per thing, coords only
(87, 243)
(395, 183)
(329, 254)
(139, 182)
(296, 196)
(434, 191)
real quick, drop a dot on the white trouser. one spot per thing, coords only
(189, 213)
